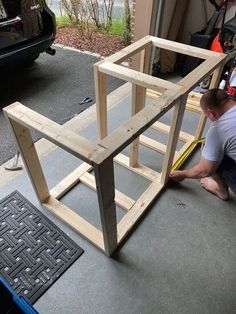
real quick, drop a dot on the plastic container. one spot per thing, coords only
(11, 303)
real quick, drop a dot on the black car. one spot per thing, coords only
(27, 28)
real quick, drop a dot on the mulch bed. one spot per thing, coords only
(103, 44)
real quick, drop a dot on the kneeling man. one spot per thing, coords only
(217, 166)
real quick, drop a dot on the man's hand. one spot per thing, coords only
(204, 168)
(177, 175)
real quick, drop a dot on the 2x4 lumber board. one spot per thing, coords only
(183, 48)
(100, 81)
(31, 160)
(56, 133)
(176, 123)
(153, 94)
(145, 60)
(121, 199)
(215, 80)
(195, 96)
(214, 83)
(104, 176)
(116, 141)
(141, 170)
(203, 70)
(129, 51)
(136, 77)
(138, 103)
(153, 144)
(164, 128)
(193, 108)
(138, 100)
(192, 105)
(201, 124)
(192, 96)
(70, 181)
(192, 100)
(131, 218)
(86, 229)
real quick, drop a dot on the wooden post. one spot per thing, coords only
(214, 83)
(145, 60)
(104, 175)
(176, 122)
(30, 159)
(100, 80)
(138, 102)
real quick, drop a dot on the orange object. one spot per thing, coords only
(215, 45)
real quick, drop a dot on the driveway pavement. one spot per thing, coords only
(53, 86)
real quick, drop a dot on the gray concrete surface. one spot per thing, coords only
(53, 86)
(179, 260)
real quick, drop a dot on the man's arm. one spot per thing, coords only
(204, 168)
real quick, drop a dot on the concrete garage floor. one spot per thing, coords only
(179, 259)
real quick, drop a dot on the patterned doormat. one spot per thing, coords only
(34, 252)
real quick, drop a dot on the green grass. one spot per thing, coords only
(63, 20)
(117, 28)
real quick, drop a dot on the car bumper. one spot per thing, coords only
(26, 51)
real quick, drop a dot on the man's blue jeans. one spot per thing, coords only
(227, 171)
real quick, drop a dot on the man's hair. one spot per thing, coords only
(214, 98)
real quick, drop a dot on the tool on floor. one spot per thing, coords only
(86, 100)
(15, 165)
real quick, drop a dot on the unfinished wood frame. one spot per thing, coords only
(100, 157)
(145, 86)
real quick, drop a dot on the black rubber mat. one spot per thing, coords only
(34, 252)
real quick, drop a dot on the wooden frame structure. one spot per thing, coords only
(100, 157)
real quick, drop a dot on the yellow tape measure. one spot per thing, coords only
(186, 153)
